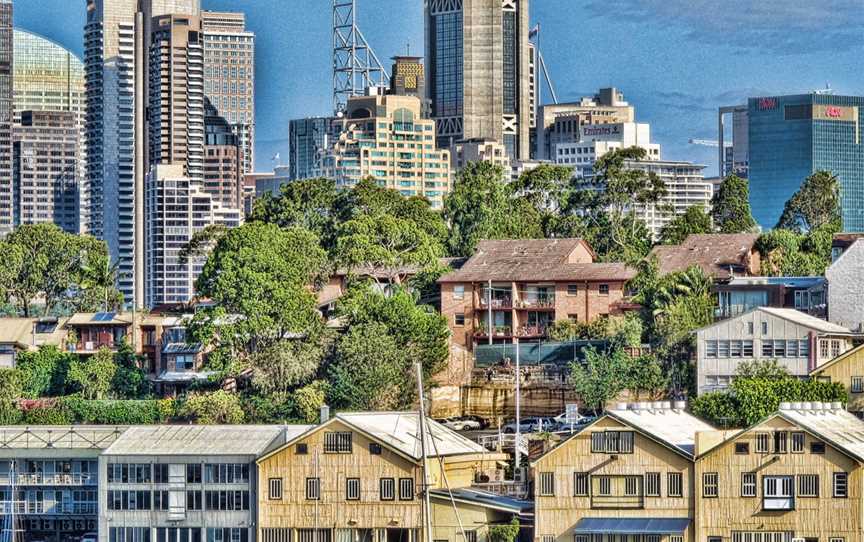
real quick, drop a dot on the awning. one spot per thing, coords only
(631, 526)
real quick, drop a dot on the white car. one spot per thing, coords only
(459, 424)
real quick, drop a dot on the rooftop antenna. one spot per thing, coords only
(355, 65)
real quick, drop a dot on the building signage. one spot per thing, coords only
(767, 104)
(599, 130)
(835, 113)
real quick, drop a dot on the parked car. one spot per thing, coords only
(461, 424)
(530, 425)
(89, 537)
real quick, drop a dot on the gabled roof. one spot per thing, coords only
(826, 421)
(673, 428)
(792, 315)
(484, 499)
(526, 260)
(20, 332)
(249, 440)
(400, 432)
(714, 253)
(842, 357)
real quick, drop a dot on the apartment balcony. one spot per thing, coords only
(499, 332)
(617, 502)
(42, 479)
(531, 332)
(498, 303)
(545, 302)
(35, 508)
(91, 347)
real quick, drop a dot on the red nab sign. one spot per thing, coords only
(767, 104)
(835, 112)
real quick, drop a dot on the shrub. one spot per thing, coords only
(52, 415)
(504, 533)
(218, 407)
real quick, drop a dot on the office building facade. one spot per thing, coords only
(7, 212)
(734, 158)
(308, 141)
(48, 77)
(229, 76)
(177, 208)
(46, 167)
(792, 137)
(478, 71)
(385, 137)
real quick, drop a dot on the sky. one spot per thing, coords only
(676, 61)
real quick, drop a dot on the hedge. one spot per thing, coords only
(75, 410)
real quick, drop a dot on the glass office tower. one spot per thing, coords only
(792, 137)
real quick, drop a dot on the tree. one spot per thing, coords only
(694, 220)
(504, 533)
(130, 381)
(730, 207)
(610, 202)
(787, 253)
(307, 203)
(44, 372)
(481, 206)
(600, 378)
(11, 388)
(259, 278)
(645, 376)
(214, 408)
(370, 371)
(93, 375)
(281, 367)
(202, 243)
(815, 204)
(41, 261)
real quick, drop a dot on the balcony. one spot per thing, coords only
(36, 508)
(497, 331)
(531, 332)
(91, 347)
(543, 302)
(617, 502)
(42, 479)
(498, 302)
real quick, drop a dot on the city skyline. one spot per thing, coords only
(676, 72)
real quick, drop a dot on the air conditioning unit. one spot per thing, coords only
(88, 346)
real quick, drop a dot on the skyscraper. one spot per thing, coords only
(792, 137)
(48, 77)
(6, 114)
(308, 141)
(229, 76)
(46, 169)
(478, 71)
(116, 47)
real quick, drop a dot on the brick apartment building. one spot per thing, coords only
(534, 283)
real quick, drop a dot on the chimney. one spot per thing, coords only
(325, 414)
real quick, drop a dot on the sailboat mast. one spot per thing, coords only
(427, 505)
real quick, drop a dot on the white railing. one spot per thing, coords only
(23, 508)
(516, 490)
(503, 441)
(42, 479)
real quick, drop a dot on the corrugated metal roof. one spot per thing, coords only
(200, 439)
(68, 437)
(806, 320)
(675, 427)
(631, 526)
(832, 423)
(401, 430)
(485, 499)
(99, 319)
(182, 348)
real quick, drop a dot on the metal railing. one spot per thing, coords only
(24, 508)
(42, 479)
(516, 490)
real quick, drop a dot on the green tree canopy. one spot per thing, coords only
(213, 408)
(307, 204)
(44, 372)
(93, 375)
(730, 207)
(481, 206)
(694, 220)
(787, 253)
(816, 204)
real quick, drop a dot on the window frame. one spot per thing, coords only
(710, 480)
(809, 482)
(349, 495)
(674, 484)
(835, 479)
(274, 489)
(313, 489)
(581, 480)
(798, 442)
(749, 480)
(742, 448)
(406, 489)
(546, 484)
(652, 484)
(383, 484)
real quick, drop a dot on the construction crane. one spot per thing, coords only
(355, 65)
(535, 34)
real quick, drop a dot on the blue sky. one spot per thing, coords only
(675, 60)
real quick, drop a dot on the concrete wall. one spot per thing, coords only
(845, 292)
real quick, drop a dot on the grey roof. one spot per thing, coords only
(401, 430)
(798, 317)
(184, 376)
(831, 423)
(199, 439)
(788, 282)
(485, 499)
(674, 427)
(631, 526)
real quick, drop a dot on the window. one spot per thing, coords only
(612, 442)
(841, 485)
(302, 448)
(808, 485)
(387, 489)
(673, 485)
(228, 534)
(778, 493)
(226, 473)
(652, 484)
(459, 319)
(193, 500)
(835, 348)
(193, 474)
(742, 448)
(764, 328)
(723, 349)
(711, 349)
(470, 536)
(226, 500)
(747, 349)
(160, 500)
(580, 484)
(748, 484)
(572, 289)
(130, 473)
(547, 484)
(313, 489)
(604, 289)
(631, 486)
(274, 486)
(374, 448)
(735, 348)
(824, 348)
(406, 489)
(605, 486)
(750, 328)
(128, 500)
(352, 489)
(459, 291)
(798, 442)
(709, 485)
(762, 440)
(338, 442)
(817, 448)
(781, 442)
(857, 384)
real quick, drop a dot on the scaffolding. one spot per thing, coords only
(355, 65)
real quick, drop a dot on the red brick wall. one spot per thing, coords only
(450, 307)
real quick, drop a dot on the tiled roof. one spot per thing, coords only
(715, 253)
(526, 260)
